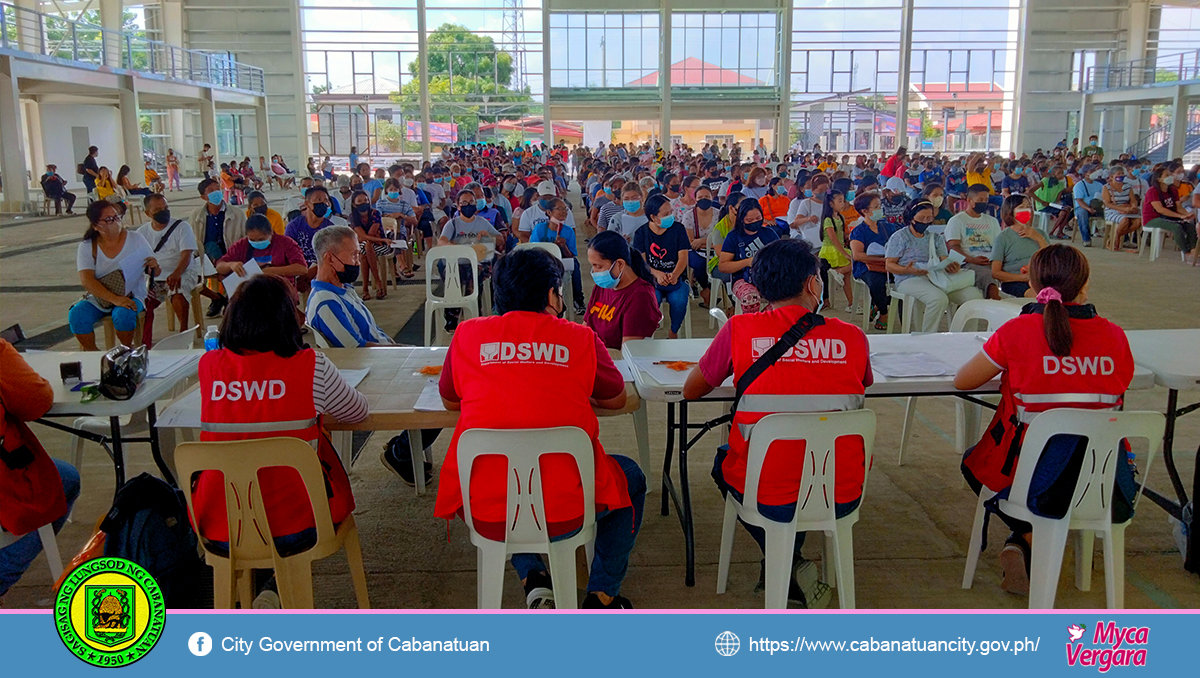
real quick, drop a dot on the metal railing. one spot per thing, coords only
(1158, 138)
(33, 32)
(1164, 69)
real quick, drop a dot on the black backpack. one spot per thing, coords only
(148, 524)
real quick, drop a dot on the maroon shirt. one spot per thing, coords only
(283, 251)
(629, 312)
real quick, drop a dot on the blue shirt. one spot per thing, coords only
(934, 174)
(1018, 185)
(863, 233)
(744, 246)
(369, 187)
(338, 313)
(541, 233)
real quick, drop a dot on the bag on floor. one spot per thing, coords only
(148, 524)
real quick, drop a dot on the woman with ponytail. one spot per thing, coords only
(623, 305)
(1057, 353)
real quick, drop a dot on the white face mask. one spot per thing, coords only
(1168, 180)
(936, 201)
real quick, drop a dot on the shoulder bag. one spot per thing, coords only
(947, 282)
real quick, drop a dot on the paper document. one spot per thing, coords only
(430, 399)
(355, 377)
(232, 281)
(876, 250)
(399, 244)
(900, 365)
(624, 369)
(955, 257)
(162, 365)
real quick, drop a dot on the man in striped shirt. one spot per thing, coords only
(334, 308)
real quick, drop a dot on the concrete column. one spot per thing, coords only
(304, 148)
(1139, 26)
(783, 120)
(904, 76)
(29, 26)
(171, 16)
(1015, 121)
(111, 12)
(1179, 123)
(1087, 118)
(664, 78)
(37, 148)
(12, 140)
(547, 122)
(131, 129)
(208, 127)
(423, 78)
(262, 130)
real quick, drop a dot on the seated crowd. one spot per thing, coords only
(664, 225)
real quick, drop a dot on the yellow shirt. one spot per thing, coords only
(151, 177)
(104, 188)
(827, 166)
(272, 216)
(980, 178)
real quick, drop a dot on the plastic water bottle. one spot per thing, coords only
(212, 338)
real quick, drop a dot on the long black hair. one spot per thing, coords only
(355, 219)
(827, 211)
(745, 206)
(731, 203)
(262, 318)
(612, 246)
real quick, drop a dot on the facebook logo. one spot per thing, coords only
(200, 643)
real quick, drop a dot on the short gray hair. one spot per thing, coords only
(472, 186)
(330, 238)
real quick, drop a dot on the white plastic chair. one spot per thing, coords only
(452, 294)
(49, 545)
(863, 294)
(1089, 513)
(1156, 236)
(525, 524)
(138, 421)
(815, 507)
(719, 316)
(967, 416)
(568, 266)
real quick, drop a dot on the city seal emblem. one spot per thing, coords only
(110, 612)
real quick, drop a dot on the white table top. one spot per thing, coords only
(953, 348)
(1170, 354)
(66, 402)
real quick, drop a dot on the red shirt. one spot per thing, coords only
(894, 167)
(283, 251)
(1169, 200)
(629, 312)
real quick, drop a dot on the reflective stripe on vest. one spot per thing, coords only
(775, 403)
(259, 427)
(1062, 399)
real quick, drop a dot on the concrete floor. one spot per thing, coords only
(909, 543)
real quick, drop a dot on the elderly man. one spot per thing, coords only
(334, 309)
(55, 188)
(174, 245)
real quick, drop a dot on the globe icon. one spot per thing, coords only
(728, 643)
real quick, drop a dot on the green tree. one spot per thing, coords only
(469, 77)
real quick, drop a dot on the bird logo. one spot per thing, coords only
(1076, 631)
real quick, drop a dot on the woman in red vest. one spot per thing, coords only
(828, 370)
(555, 391)
(265, 382)
(1032, 353)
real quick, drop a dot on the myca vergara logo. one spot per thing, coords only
(110, 612)
(1111, 646)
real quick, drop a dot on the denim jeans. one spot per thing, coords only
(16, 558)
(677, 297)
(782, 514)
(1083, 221)
(699, 266)
(616, 531)
(84, 315)
(1016, 288)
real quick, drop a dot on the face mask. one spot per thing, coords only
(362, 208)
(481, 203)
(1023, 216)
(454, 174)
(438, 180)
(1017, 171)
(349, 273)
(406, 181)
(937, 201)
(467, 210)
(705, 204)
(1119, 180)
(260, 244)
(606, 279)
(752, 226)
(261, 209)
(1168, 180)
(393, 195)
(320, 210)
(1135, 171)
(667, 221)
(783, 175)
(163, 217)
(512, 187)
(877, 215)
(920, 227)
(808, 193)
(1093, 176)
(820, 297)
(304, 190)
(631, 205)
(216, 198)
(849, 196)
(673, 188)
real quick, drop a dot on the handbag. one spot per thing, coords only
(113, 282)
(947, 282)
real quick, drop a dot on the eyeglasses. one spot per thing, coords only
(110, 220)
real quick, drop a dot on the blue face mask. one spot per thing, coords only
(260, 244)
(1017, 171)
(544, 204)
(631, 205)
(849, 195)
(216, 197)
(668, 221)
(393, 195)
(605, 279)
(481, 203)
(808, 192)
